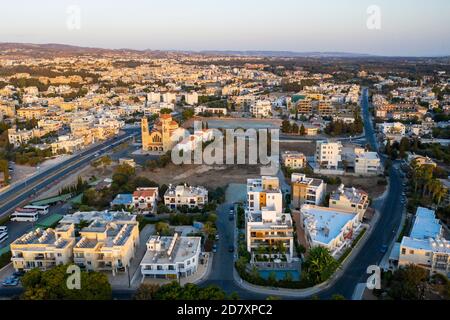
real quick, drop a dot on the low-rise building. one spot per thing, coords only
(171, 257)
(350, 199)
(331, 228)
(145, 198)
(43, 249)
(107, 246)
(426, 246)
(306, 190)
(294, 160)
(183, 195)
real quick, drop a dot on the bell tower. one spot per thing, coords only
(145, 134)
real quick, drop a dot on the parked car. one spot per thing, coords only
(217, 237)
(231, 248)
(214, 248)
(10, 282)
(384, 248)
(19, 274)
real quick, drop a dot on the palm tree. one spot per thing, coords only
(440, 193)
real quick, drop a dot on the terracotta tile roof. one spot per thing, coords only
(145, 193)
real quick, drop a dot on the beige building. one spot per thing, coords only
(294, 160)
(31, 112)
(306, 190)
(160, 138)
(43, 249)
(350, 199)
(107, 246)
(183, 195)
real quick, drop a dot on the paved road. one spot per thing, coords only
(25, 190)
(390, 210)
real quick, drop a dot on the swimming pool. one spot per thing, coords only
(280, 274)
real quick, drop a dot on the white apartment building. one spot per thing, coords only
(266, 225)
(169, 97)
(183, 195)
(306, 190)
(261, 109)
(67, 144)
(328, 227)
(191, 98)
(171, 257)
(367, 162)
(264, 192)
(393, 128)
(154, 97)
(204, 109)
(350, 199)
(328, 154)
(426, 245)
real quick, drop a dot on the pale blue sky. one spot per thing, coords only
(408, 27)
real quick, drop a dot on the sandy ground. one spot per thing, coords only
(368, 184)
(22, 172)
(207, 176)
(308, 148)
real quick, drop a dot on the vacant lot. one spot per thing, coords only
(307, 148)
(368, 184)
(208, 176)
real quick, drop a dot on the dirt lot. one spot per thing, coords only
(308, 148)
(368, 184)
(207, 176)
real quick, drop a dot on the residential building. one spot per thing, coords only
(264, 192)
(191, 98)
(261, 109)
(183, 195)
(266, 224)
(306, 190)
(210, 110)
(393, 128)
(43, 249)
(171, 257)
(294, 160)
(328, 154)
(426, 245)
(145, 198)
(421, 160)
(350, 199)
(107, 246)
(123, 200)
(331, 228)
(367, 162)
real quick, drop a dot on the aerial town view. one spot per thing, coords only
(206, 151)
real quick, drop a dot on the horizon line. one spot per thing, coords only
(330, 52)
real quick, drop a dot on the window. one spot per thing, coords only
(403, 251)
(411, 251)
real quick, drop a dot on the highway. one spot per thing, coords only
(26, 189)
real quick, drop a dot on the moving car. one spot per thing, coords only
(231, 248)
(384, 248)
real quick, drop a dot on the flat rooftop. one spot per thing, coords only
(325, 224)
(185, 248)
(425, 225)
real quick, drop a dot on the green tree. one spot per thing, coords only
(409, 283)
(319, 265)
(302, 130)
(52, 285)
(146, 291)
